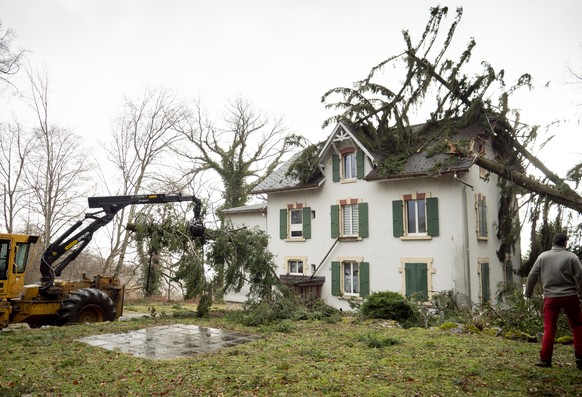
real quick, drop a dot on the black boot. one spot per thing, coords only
(543, 364)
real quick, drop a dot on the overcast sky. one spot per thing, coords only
(281, 55)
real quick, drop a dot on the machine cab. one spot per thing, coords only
(14, 253)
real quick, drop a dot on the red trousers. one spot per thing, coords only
(552, 307)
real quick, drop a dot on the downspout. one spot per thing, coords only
(466, 250)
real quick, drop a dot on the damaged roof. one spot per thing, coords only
(426, 161)
(279, 181)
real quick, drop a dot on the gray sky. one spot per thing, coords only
(281, 55)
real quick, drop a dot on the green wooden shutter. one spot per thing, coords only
(335, 167)
(364, 279)
(398, 218)
(482, 206)
(416, 279)
(360, 164)
(283, 224)
(306, 222)
(485, 293)
(335, 278)
(335, 221)
(363, 220)
(432, 215)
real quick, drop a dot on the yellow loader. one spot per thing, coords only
(59, 302)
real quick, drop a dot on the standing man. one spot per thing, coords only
(560, 274)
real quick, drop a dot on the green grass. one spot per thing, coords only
(304, 358)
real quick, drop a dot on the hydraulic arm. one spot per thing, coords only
(72, 242)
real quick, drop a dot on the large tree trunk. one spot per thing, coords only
(573, 201)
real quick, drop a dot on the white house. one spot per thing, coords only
(349, 231)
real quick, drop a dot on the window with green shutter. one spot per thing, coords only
(335, 225)
(432, 216)
(295, 223)
(416, 280)
(349, 220)
(360, 164)
(350, 278)
(485, 287)
(481, 207)
(306, 222)
(283, 224)
(398, 218)
(335, 278)
(415, 217)
(364, 279)
(349, 166)
(363, 220)
(335, 167)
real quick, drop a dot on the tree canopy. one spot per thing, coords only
(455, 96)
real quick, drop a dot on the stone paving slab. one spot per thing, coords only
(169, 341)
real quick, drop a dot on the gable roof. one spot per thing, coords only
(342, 131)
(247, 209)
(426, 161)
(279, 181)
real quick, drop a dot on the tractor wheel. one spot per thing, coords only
(86, 305)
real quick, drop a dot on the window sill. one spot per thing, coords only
(295, 239)
(410, 238)
(350, 298)
(351, 180)
(481, 238)
(350, 238)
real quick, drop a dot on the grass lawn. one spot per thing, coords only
(304, 358)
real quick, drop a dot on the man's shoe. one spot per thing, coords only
(543, 364)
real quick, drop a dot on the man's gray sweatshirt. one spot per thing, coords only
(560, 273)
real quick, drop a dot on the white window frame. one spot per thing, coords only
(349, 166)
(407, 214)
(298, 262)
(350, 284)
(295, 229)
(350, 226)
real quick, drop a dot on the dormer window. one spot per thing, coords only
(348, 165)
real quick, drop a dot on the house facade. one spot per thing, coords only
(351, 231)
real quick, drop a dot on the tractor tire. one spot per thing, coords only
(86, 305)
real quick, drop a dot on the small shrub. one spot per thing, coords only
(203, 309)
(390, 306)
(285, 305)
(285, 326)
(374, 341)
(448, 325)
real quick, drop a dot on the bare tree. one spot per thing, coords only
(246, 147)
(15, 146)
(56, 167)
(144, 133)
(9, 60)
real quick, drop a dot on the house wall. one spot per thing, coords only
(385, 253)
(454, 257)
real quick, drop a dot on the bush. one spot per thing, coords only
(390, 306)
(284, 305)
(375, 341)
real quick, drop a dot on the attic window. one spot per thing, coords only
(349, 165)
